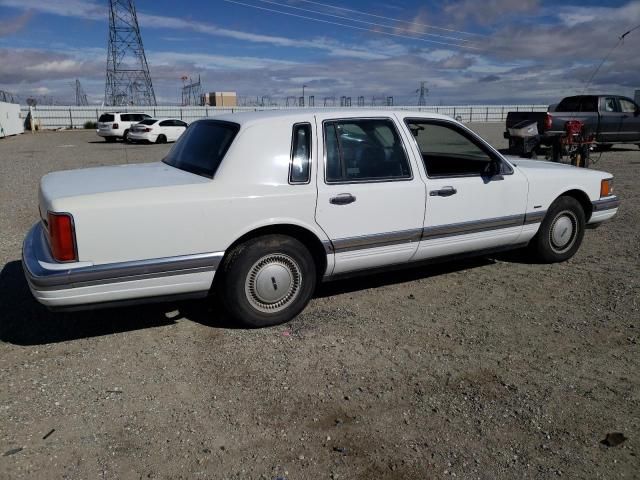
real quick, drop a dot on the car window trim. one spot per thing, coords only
(235, 126)
(467, 133)
(293, 133)
(342, 166)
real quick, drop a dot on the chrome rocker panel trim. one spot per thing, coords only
(42, 278)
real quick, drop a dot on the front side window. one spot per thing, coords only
(364, 150)
(300, 167)
(447, 151)
(202, 146)
(627, 106)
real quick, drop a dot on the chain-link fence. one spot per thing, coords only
(55, 117)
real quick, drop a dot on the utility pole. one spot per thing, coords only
(128, 81)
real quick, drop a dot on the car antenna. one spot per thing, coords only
(618, 43)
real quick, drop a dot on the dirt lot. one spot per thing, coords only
(490, 368)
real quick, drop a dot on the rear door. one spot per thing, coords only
(371, 199)
(629, 121)
(168, 130)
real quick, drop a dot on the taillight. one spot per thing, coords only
(115, 126)
(147, 129)
(62, 238)
(548, 122)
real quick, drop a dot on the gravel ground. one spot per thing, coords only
(489, 368)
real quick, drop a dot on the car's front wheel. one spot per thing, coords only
(561, 232)
(267, 280)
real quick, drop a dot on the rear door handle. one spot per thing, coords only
(443, 192)
(342, 199)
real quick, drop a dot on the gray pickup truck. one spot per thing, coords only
(611, 118)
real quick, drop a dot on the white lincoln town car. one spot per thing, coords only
(258, 208)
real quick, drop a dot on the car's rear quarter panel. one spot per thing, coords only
(250, 190)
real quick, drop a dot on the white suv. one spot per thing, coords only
(114, 125)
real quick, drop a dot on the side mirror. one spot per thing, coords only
(494, 170)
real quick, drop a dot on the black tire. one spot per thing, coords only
(247, 286)
(125, 136)
(109, 139)
(161, 139)
(551, 244)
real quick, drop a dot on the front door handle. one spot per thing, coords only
(342, 199)
(443, 192)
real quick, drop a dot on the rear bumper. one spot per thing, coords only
(145, 137)
(78, 284)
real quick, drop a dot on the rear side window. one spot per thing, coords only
(585, 103)
(610, 104)
(125, 117)
(360, 150)
(148, 121)
(202, 146)
(106, 117)
(300, 166)
(166, 123)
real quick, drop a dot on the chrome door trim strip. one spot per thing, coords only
(376, 240)
(42, 278)
(465, 228)
(534, 217)
(428, 233)
(605, 204)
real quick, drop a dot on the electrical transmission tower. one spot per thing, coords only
(128, 79)
(191, 92)
(424, 91)
(81, 97)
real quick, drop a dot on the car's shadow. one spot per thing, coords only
(23, 321)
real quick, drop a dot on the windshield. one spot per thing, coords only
(202, 146)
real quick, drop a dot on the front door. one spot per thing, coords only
(371, 199)
(475, 200)
(629, 121)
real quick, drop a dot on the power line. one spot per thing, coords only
(388, 18)
(362, 21)
(352, 26)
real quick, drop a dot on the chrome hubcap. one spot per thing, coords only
(562, 233)
(273, 283)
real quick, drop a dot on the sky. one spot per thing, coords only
(467, 51)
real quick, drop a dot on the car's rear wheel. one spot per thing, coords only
(561, 232)
(161, 139)
(125, 136)
(266, 281)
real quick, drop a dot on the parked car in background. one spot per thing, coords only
(157, 130)
(114, 125)
(259, 207)
(611, 119)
